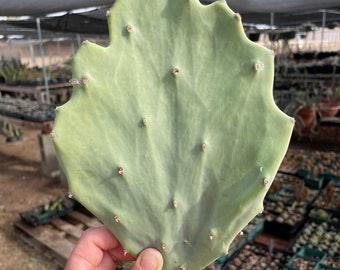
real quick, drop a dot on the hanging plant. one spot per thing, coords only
(308, 27)
(332, 25)
(254, 36)
(286, 35)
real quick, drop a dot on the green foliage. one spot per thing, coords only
(32, 75)
(60, 74)
(336, 95)
(172, 137)
(12, 69)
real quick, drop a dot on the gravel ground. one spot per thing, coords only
(23, 187)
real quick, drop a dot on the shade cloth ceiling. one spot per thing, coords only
(42, 7)
(282, 13)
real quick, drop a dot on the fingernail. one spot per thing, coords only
(150, 260)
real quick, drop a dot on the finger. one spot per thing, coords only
(89, 251)
(149, 259)
(107, 262)
(121, 254)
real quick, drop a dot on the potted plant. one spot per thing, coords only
(307, 111)
(331, 107)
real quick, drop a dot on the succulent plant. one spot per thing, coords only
(172, 136)
(11, 69)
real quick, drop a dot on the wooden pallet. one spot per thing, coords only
(57, 238)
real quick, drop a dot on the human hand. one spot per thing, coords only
(99, 249)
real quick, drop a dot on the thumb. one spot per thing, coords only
(149, 259)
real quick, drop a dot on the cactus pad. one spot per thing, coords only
(172, 137)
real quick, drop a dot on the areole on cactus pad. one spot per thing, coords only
(172, 136)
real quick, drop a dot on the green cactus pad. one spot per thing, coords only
(172, 137)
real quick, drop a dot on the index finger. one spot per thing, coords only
(91, 248)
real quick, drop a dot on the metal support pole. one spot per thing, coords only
(323, 29)
(48, 98)
(79, 43)
(73, 49)
(59, 51)
(30, 44)
(272, 20)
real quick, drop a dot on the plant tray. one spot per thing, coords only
(320, 236)
(284, 195)
(314, 182)
(311, 181)
(257, 228)
(292, 161)
(283, 230)
(318, 215)
(335, 218)
(321, 163)
(330, 262)
(317, 183)
(325, 267)
(43, 214)
(306, 257)
(328, 198)
(56, 239)
(312, 254)
(256, 257)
